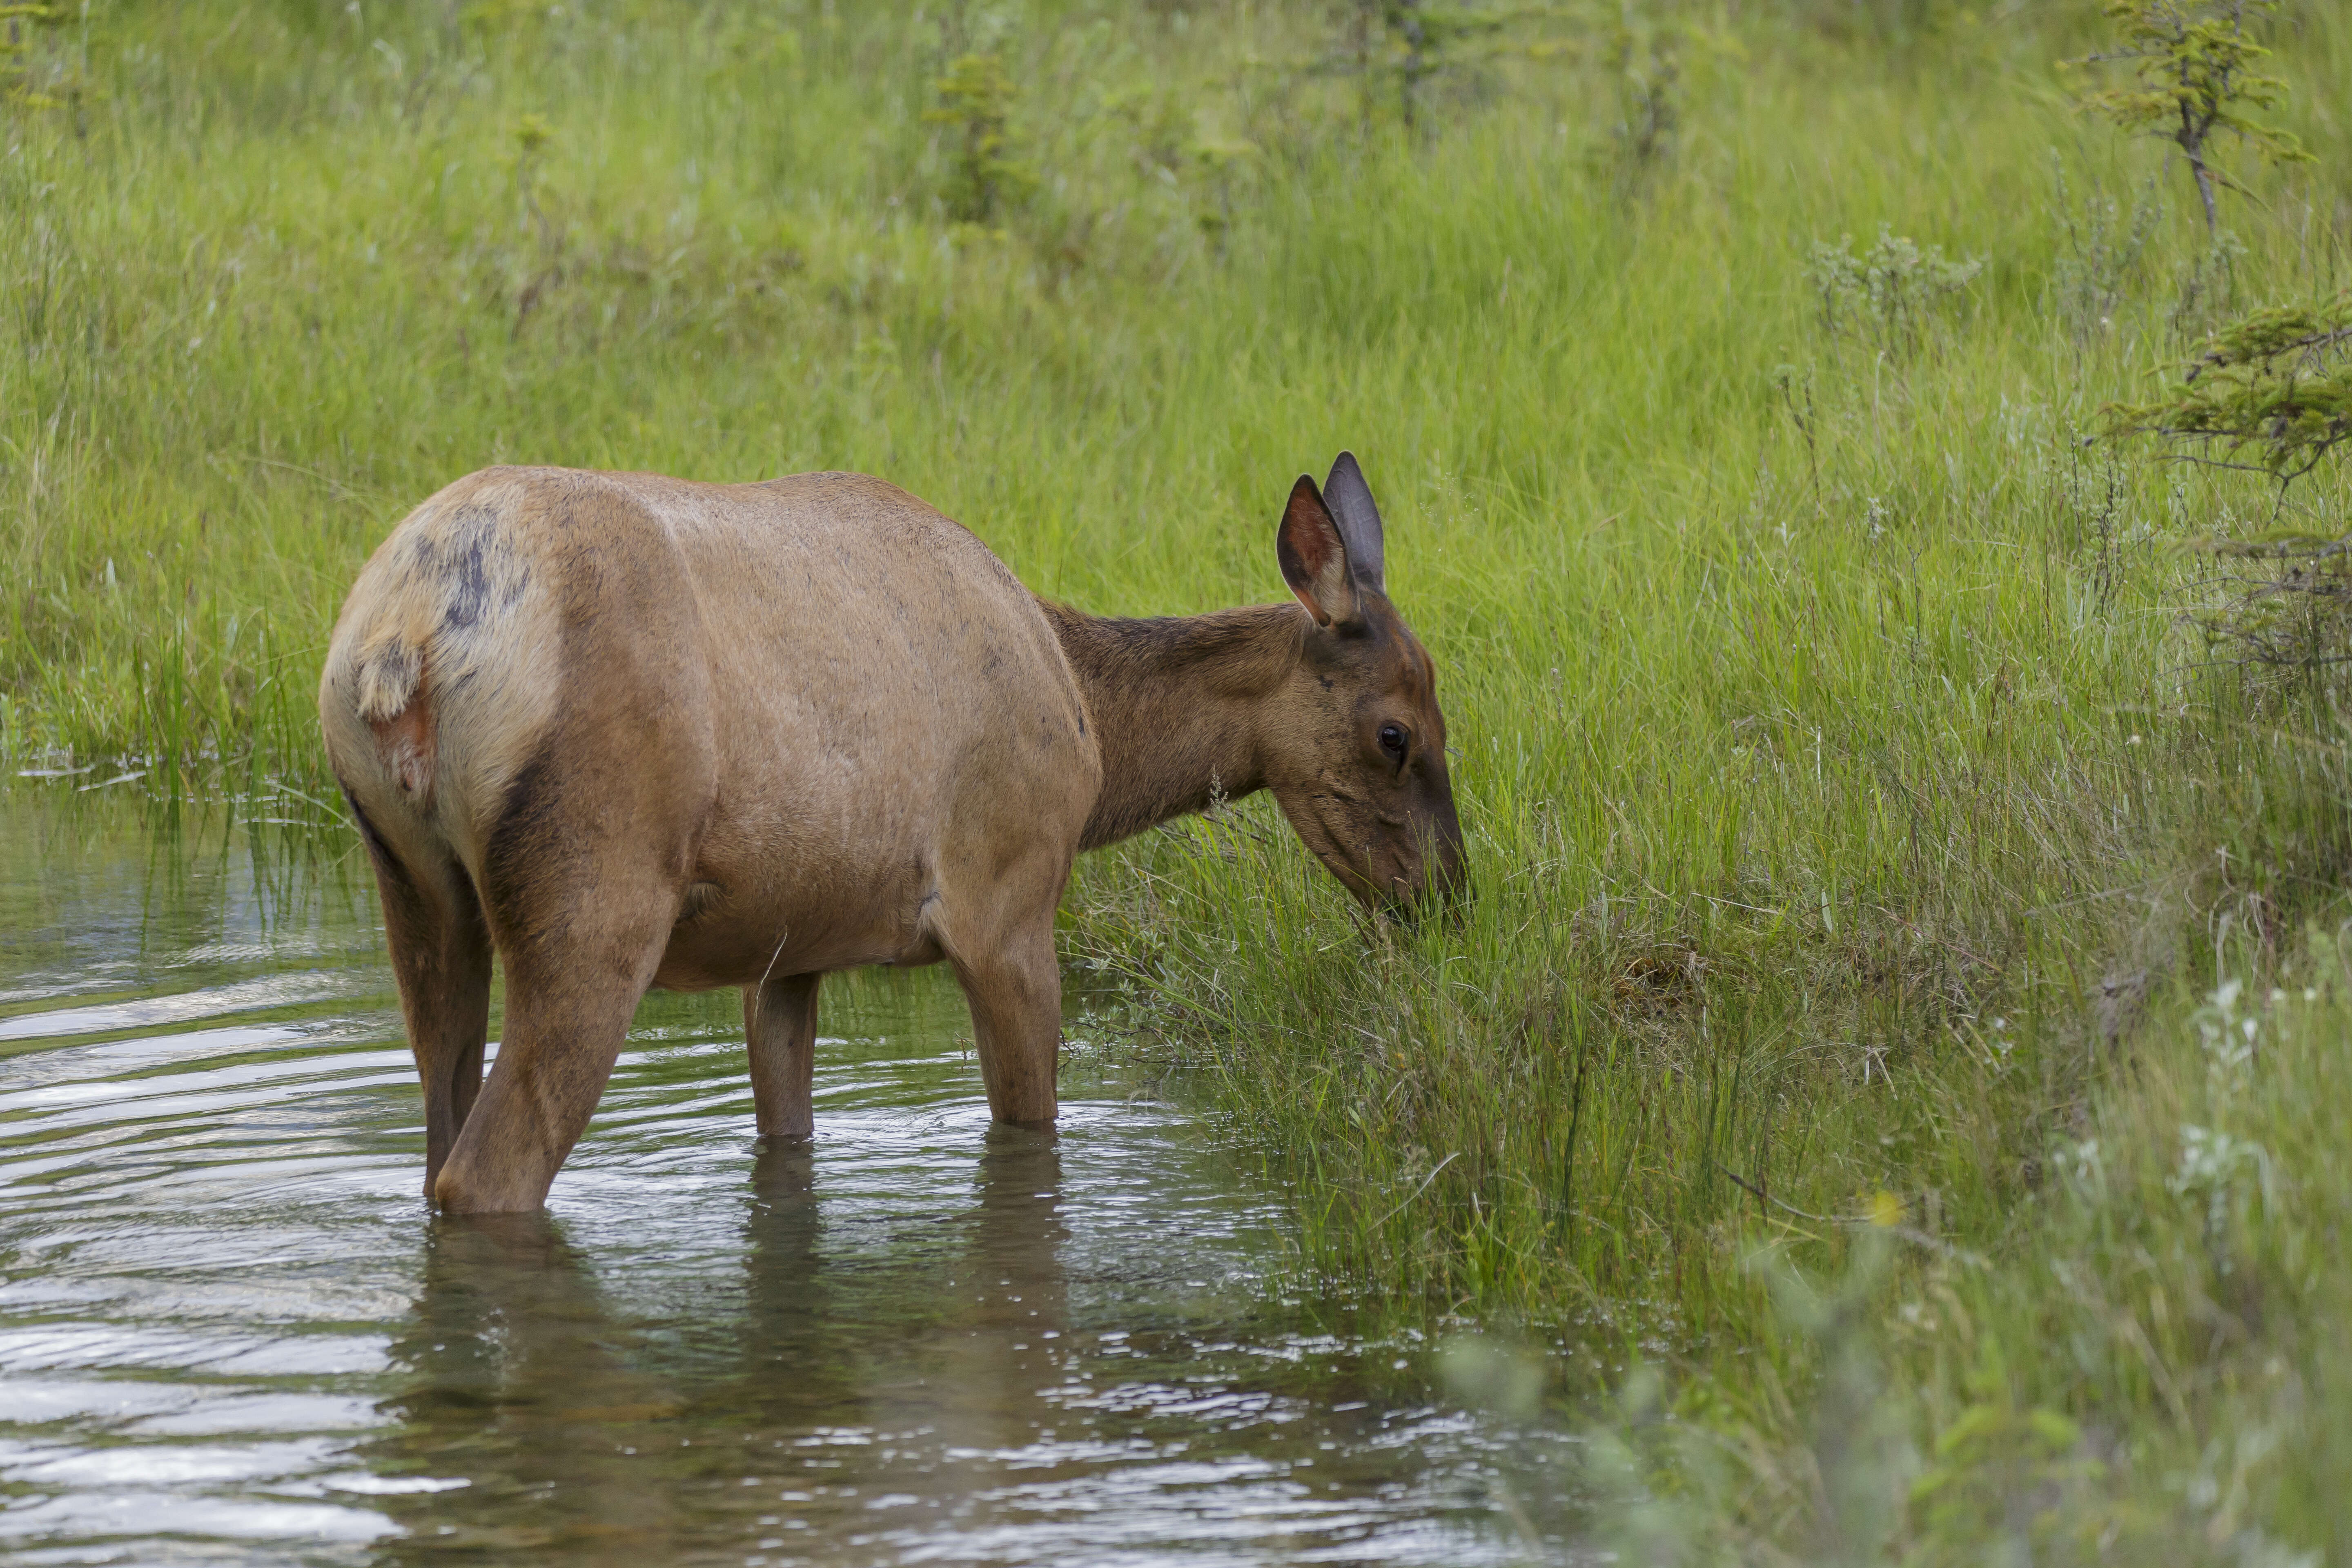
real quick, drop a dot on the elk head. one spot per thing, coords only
(1355, 753)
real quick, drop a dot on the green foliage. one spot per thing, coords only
(1999, 1470)
(33, 77)
(2275, 386)
(1401, 47)
(2192, 80)
(499, 19)
(2105, 247)
(1222, 162)
(1418, 41)
(1646, 62)
(975, 103)
(2272, 392)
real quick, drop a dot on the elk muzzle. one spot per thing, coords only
(1407, 866)
(1440, 884)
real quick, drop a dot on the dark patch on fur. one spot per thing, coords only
(468, 574)
(702, 898)
(525, 844)
(470, 587)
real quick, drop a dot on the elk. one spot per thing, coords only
(628, 731)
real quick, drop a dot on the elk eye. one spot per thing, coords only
(1392, 742)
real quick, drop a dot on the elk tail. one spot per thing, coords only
(395, 698)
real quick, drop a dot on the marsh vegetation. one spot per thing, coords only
(1885, 1091)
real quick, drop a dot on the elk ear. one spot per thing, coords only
(1314, 557)
(1350, 500)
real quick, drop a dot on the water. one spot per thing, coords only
(230, 1330)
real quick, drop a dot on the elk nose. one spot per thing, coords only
(1442, 892)
(1450, 898)
(1447, 907)
(1446, 876)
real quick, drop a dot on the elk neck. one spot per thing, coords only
(1177, 705)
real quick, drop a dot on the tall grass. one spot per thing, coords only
(1858, 833)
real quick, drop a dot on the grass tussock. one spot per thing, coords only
(1884, 1078)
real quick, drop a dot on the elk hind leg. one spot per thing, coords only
(441, 962)
(565, 1023)
(580, 934)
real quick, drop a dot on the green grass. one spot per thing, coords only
(1858, 830)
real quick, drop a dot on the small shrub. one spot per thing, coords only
(1160, 125)
(2105, 247)
(1648, 65)
(1221, 160)
(1403, 47)
(2275, 386)
(32, 77)
(2273, 394)
(2192, 80)
(1888, 295)
(975, 103)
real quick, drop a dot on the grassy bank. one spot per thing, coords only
(1860, 836)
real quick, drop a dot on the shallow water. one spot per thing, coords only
(231, 1330)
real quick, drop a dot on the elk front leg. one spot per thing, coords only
(1014, 989)
(779, 1034)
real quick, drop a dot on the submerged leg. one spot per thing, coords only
(780, 1034)
(581, 907)
(565, 1027)
(1015, 988)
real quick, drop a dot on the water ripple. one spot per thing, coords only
(231, 1331)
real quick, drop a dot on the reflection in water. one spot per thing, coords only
(229, 1330)
(996, 1360)
(786, 1301)
(517, 1362)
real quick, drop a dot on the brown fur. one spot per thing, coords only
(632, 731)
